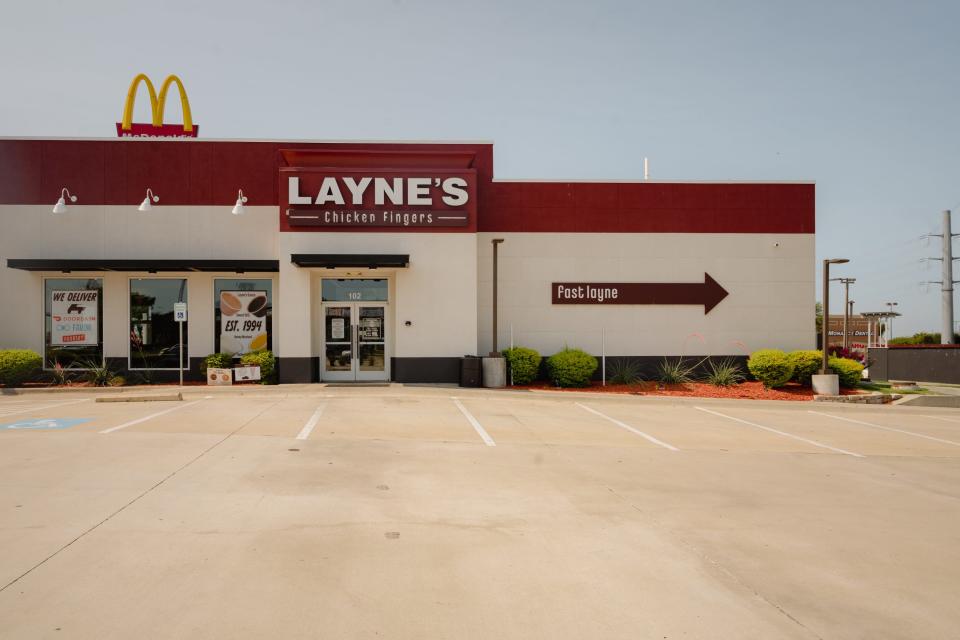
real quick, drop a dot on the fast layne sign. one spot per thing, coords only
(709, 293)
(73, 318)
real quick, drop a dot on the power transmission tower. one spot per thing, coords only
(947, 281)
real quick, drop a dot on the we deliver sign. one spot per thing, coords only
(73, 318)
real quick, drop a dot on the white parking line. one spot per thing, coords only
(476, 425)
(942, 418)
(311, 423)
(877, 426)
(40, 408)
(782, 433)
(623, 425)
(153, 415)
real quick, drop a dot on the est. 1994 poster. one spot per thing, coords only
(243, 321)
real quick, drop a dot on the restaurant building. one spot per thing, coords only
(374, 261)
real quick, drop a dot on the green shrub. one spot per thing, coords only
(849, 371)
(805, 364)
(625, 372)
(675, 371)
(772, 367)
(571, 368)
(97, 373)
(18, 365)
(524, 364)
(216, 361)
(263, 359)
(59, 374)
(724, 373)
(117, 381)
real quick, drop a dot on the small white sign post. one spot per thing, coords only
(180, 315)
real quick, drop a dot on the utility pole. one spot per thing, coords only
(890, 327)
(946, 311)
(846, 282)
(946, 282)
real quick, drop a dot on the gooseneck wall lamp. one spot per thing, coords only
(61, 206)
(145, 205)
(238, 209)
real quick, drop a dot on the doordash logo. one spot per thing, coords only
(156, 129)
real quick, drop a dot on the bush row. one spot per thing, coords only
(263, 359)
(23, 365)
(774, 368)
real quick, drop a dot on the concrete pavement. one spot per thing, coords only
(393, 518)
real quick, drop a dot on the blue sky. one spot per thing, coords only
(861, 97)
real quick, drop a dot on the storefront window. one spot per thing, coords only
(243, 315)
(73, 317)
(354, 290)
(154, 336)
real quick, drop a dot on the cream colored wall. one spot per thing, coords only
(445, 293)
(769, 278)
(89, 232)
(436, 293)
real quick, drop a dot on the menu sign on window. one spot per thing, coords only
(243, 321)
(73, 318)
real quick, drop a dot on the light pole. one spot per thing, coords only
(891, 305)
(846, 282)
(824, 369)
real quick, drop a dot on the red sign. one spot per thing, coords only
(146, 130)
(377, 199)
(709, 293)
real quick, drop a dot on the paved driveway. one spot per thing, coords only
(418, 512)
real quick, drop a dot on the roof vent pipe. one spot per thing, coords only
(646, 168)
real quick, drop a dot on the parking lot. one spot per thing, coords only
(430, 512)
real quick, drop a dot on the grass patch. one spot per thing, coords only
(886, 387)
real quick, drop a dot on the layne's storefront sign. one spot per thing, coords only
(73, 318)
(378, 199)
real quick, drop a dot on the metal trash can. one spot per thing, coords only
(471, 371)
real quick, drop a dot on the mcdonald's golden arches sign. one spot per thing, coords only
(156, 129)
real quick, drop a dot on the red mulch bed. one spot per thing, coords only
(748, 390)
(83, 384)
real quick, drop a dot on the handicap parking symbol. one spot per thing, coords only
(43, 423)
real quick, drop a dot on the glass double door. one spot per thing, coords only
(354, 341)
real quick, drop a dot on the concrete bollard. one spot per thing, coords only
(494, 373)
(826, 384)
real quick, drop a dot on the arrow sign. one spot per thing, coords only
(709, 293)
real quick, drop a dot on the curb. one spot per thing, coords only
(167, 398)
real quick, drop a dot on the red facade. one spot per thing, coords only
(182, 172)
